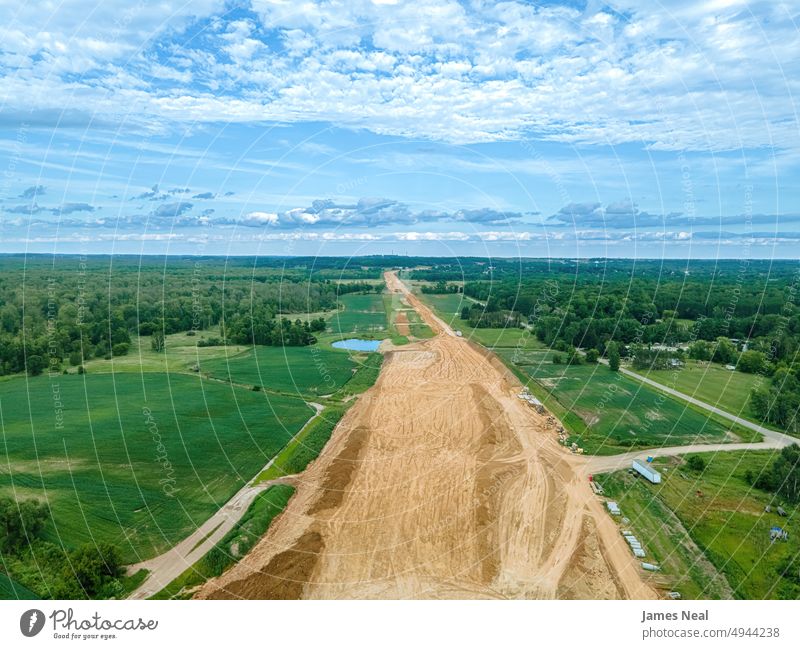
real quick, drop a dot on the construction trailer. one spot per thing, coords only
(613, 507)
(644, 469)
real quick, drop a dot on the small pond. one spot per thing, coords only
(357, 345)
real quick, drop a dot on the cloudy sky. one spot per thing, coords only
(376, 126)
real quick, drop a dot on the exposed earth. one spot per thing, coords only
(440, 483)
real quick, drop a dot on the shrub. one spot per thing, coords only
(34, 364)
(20, 522)
(696, 463)
(120, 349)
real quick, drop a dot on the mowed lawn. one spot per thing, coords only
(305, 371)
(140, 460)
(713, 384)
(608, 412)
(725, 518)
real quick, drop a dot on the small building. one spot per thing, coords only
(644, 469)
(613, 507)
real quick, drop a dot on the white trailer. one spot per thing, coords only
(645, 469)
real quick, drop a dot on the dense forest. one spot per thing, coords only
(59, 311)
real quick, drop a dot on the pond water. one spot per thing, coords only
(357, 345)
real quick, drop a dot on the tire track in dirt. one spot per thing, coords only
(439, 483)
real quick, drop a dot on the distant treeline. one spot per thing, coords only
(740, 313)
(58, 311)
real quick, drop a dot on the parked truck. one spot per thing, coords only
(644, 469)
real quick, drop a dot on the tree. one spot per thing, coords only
(20, 522)
(783, 477)
(612, 350)
(780, 402)
(696, 463)
(700, 350)
(157, 341)
(35, 365)
(724, 351)
(592, 355)
(751, 362)
(88, 570)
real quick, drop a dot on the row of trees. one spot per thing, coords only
(244, 329)
(782, 476)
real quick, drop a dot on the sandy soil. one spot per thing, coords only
(440, 483)
(401, 323)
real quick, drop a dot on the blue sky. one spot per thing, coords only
(373, 126)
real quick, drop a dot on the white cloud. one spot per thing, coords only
(260, 218)
(690, 76)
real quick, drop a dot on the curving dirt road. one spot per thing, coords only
(440, 483)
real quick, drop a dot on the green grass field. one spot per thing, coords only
(360, 314)
(725, 519)
(9, 589)
(308, 371)
(448, 308)
(608, 412)
(104, 472)
(181, 353)
(712, 383)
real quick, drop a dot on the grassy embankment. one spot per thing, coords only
(234, 545)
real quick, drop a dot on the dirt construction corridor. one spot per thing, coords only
(440, 483)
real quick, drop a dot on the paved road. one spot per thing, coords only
(779, 438)
(168, 566)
